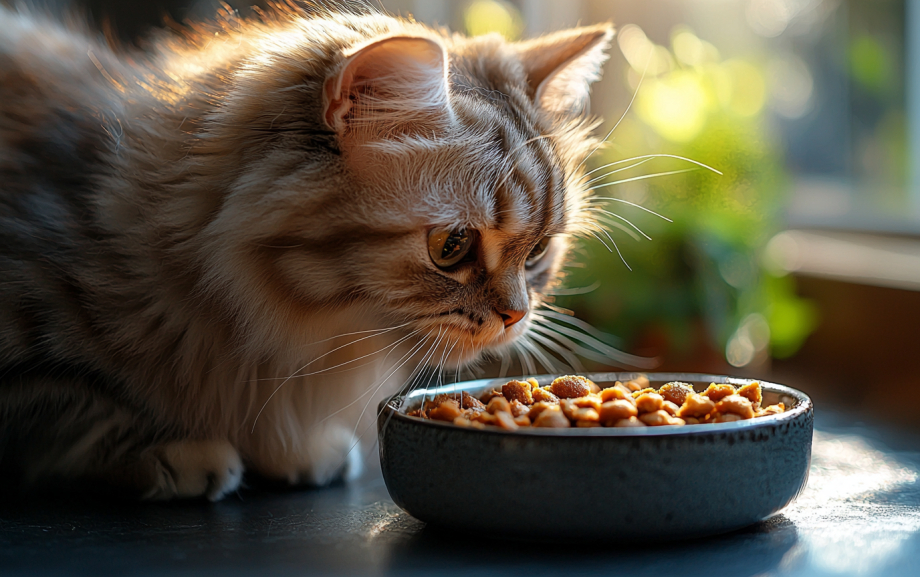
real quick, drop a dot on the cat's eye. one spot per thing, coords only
(537, 253)
(449, 247)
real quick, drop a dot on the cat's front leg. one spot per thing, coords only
(311, 422)
(64, 432)
(312, 454)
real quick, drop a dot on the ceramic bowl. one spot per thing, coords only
(629, 484)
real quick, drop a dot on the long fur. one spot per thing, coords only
(185, 238)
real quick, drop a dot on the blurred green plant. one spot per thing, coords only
(704, 269)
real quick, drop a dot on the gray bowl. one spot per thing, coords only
(597, 483)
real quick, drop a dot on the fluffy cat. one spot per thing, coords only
(216, 254)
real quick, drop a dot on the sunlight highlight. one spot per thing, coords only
(484, 16)
(684, 89)
(846, 476)
(675, 106)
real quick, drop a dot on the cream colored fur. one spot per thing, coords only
(264, 191)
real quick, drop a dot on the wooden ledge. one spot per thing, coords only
(860, 258)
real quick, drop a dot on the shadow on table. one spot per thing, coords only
(758, 549)
(859, 515)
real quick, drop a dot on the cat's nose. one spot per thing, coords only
(511, 317)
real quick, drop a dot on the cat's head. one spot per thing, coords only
(432, 181)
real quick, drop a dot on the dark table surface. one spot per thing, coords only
(859, 515)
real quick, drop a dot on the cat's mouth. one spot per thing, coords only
(458, 340)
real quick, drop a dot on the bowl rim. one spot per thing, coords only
(397, 405)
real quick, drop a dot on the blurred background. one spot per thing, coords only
(800, 263)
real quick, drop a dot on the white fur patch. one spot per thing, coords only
(197, 468)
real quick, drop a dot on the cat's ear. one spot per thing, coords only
(560, 67)
(389, 84)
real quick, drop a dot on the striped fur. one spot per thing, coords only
(192, 239)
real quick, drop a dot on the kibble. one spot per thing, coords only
(552, 418)
(696, 406)
(538, 408)
(649, 402)
(518, 391)
(616, 410)
(752, 393)
(543, 396)
(736, 405)
(630, 422)
(638, 383)
(615, 393)
(670, 408)
(468, 401)
(518, 408)
(574, 401)
(675, 393)
(570, 387)
(716, 392)
(659, 418)
(446, 411)
(587, 424)
(505, 421)
(498, 404)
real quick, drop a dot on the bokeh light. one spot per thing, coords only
(675, 106)
(485, 16)
(870, 63)
(790, 86)
(681, 90)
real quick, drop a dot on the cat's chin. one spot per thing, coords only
(460, 346)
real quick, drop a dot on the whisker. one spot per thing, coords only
(377, 331)
(538, 354)
(605, 175)
(625, 112)
(600, 240)
(381, 331)
(444, 353)
(652, 156)
(643, 177)
(413, 333)
(613, 214)
(557, 309)
(278, 388)
(607, 234)
(526, 360)
(298, 375)
(408, 357)
(375, 386)
(566, 354)
(573, 346)
(562, 292)
(639, 206)
(338, 348)
(506, 364)
(578, 323)
(602, 352)
(614, 224)
(354, 432)
(419, 368)
(457, 375)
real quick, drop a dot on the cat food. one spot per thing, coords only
(574, 401)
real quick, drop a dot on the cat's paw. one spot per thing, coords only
(320, 458)
(210, 469)
(333, 456)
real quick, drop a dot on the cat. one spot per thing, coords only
(215, 253)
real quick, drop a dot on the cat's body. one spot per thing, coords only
(192, 242)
